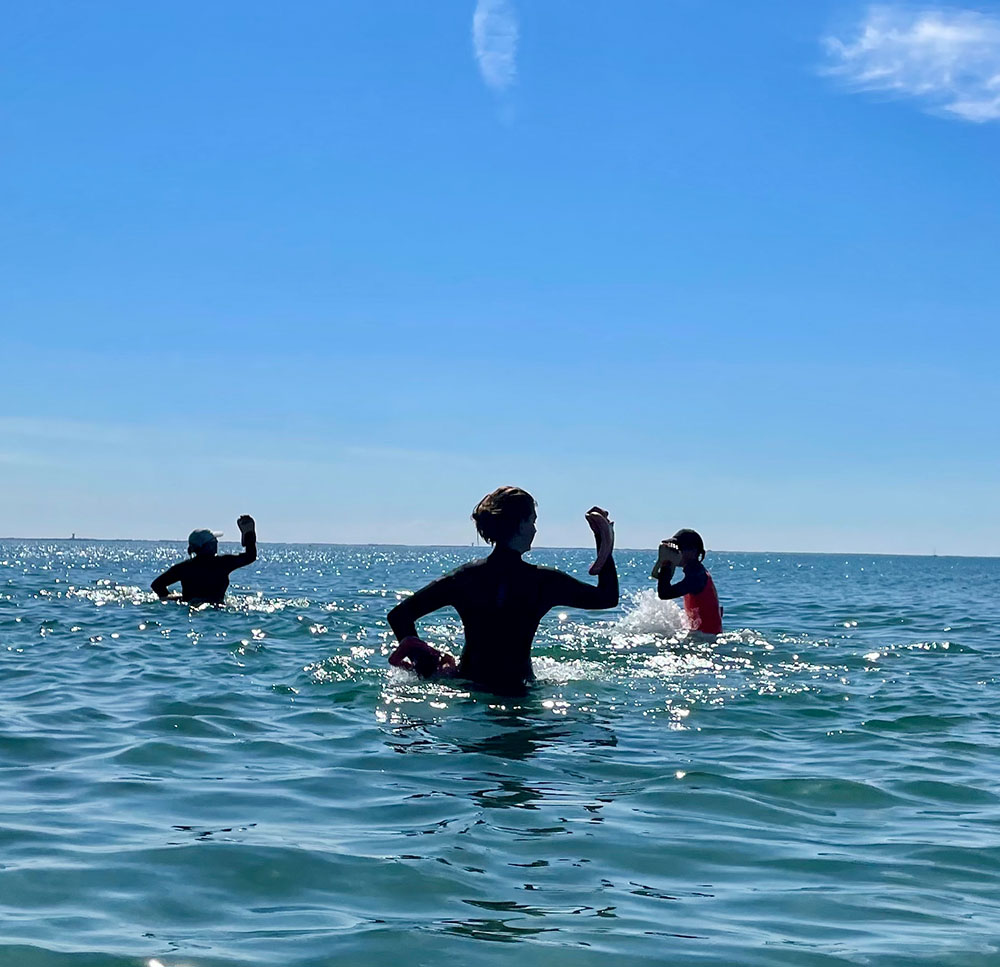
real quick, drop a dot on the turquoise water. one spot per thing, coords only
(251, 785)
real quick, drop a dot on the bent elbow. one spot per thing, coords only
(395, 619)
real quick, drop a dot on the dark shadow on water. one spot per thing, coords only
(516, 732)
(508, 792)
(499, 931)
(514, 741)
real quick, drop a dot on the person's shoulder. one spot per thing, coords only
(698, 575)
(545, 572)
(468, 568)
(542, 568)
(462, 572)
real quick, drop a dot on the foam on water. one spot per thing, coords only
(646, 614)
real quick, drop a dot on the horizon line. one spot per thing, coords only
(539, 547)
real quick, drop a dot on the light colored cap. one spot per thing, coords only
(199, 538)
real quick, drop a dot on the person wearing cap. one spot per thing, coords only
(204, 577)
(686, 550)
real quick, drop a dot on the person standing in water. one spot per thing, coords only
(686, 550)
(204, 577)
(501, 599)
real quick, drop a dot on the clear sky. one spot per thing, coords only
(349, 265)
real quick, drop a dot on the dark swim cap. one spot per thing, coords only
(689, 540)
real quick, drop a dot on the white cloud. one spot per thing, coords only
(494, 37)
(65, 431)
(947, 58)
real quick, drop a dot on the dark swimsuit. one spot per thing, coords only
(205, 578)
(501, 599)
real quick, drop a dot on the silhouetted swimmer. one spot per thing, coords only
(204, 576)
(501, 599)
(686, 550)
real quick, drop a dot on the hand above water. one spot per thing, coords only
(604, 533)
(669, 556)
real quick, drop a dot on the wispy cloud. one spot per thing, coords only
(65, 431)
(494, 38)
(947, 58)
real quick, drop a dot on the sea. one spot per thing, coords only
(252, 786)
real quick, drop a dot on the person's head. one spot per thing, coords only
(690, 544)
(203, 542)
(506, 518)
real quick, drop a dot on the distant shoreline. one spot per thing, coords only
(618, 550)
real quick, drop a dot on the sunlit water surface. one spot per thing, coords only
(251, 785)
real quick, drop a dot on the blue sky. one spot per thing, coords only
(347, 266)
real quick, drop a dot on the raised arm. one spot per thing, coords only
(566, 590)
(436, 595)
(248, 530)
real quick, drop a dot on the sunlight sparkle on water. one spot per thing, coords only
(422, 798)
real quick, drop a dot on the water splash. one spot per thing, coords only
(646, 614)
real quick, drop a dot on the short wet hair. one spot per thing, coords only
(499, 514)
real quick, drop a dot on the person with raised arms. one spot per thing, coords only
(686, 550)
(204, 576)
(501, 599)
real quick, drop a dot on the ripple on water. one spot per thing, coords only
(251, 785)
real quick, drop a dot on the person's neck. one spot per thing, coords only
(505, 551)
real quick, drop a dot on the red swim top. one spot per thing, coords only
(703, 610)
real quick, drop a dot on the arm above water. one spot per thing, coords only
(692, 583)
(566, 590)
(604, 533)
(248, 529)
(170, 576)
(436, 595)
